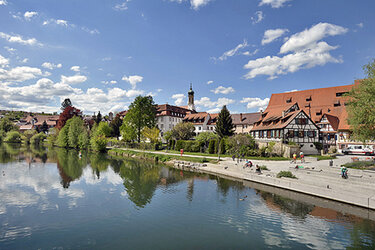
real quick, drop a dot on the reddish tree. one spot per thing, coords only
(68, 113)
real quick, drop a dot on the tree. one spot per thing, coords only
(206, 137)
(183, 131)
(66, 103)
(6, 125)
(128, 132)
(68, 113)
(115, 126)
(224, 124)
(141, 114)
(102, 129)
(13, 136)
(151, 133)
(98, 118)
(361, 115)
(73, 134)
(44, 127)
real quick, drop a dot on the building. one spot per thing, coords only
(325, 107)
(286, 124)
(244, 122)
(168, 116)
(202, 121)
(36, 122)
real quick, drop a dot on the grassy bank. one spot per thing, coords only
(157, 157)
(323, 157)
(361, 165)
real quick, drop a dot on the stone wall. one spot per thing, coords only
(280, 148)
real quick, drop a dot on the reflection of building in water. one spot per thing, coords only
(330, 214)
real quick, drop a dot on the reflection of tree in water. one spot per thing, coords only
(296, 208)
(224, 185)
(99, 163)
(39, 151)
(5, 156)
(363, 235)
(70, 165)
(140, 182)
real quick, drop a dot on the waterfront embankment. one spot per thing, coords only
(316, 178)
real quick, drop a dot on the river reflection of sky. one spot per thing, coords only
(29, 191)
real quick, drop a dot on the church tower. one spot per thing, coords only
(191, 98)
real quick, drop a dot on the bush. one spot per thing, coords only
(98, 143)
(240, 144)
(52, 136)
(222, 146)
(13, 136)
(27, 135)
(216, 146)
(211, 147)
(318, 146)
(286, 174)
(180, 144)
(38, 139)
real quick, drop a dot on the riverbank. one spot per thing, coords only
(316, 178)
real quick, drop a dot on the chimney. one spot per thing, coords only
(240, 117)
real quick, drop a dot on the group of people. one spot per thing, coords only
(249, 164)
(301, 155)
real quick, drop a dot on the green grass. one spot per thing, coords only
(286, 174)
(323, 157)
(160, 157)
(264, 167)
(196, 153)
(360, 165)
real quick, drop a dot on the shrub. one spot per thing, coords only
(52, 136)
(222, 146)
(98, 143)
(318, 146)
(240, 144)
(27, 135)
(216, 146)
(211, 147)
(38, 138)
(292, 143)
(286, 174)
(263, 167)
(180, 144)
(13, 136)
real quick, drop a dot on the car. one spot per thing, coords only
(359, 150)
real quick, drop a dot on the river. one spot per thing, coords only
(53, 198)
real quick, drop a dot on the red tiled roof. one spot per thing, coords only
(247, 118)
(196, 118)
(170, 110)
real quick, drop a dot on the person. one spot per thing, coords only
(248, 164)
(295, 158)
(258, 169)
(233, 157)
(302, 157)
(344, 172)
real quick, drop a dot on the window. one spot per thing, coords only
(301, 134)
(308, 99)
(311, 133)
(338, 94)
(199, 128)
(336, 103)
(319, 112)
(295, 133)
(289, 100)
(301, 121)
(268, 133)
(290, 133)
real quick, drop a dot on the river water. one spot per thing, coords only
(52, 198)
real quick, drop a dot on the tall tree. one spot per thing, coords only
(6, 125)
(98, 118)
(141, 114)
(68, 113)
(361, 115)
(224, 124)
(183, 131)
(151, 133)
(44, 127)
(66, 103)
(115, 126)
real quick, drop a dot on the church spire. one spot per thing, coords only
(191, 105)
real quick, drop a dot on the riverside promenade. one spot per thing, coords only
(315, 178)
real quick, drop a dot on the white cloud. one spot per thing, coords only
(91, 31)
(306, 52)
(271, 35)
(179, 99)
(60, 22)
(19, 74)
(3, 61)
(29, 14)
(25, 60)
(196, 4)
(19, 39)
(109, 82)
(258, 17)
(106, 59)
(121, 6)
(223, 90)
(249, 53)
(205, 102)
(51, 66)
(10, 50)
(209, 82)
(3, 2)
(73, 79)
(360, 25)
(75, 68)
(309, 37)
(234, 51)
(133, 80)
(256, 102)
(273, 3)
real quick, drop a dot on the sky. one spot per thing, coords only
(103, 53)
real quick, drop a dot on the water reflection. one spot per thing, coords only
(71, 188)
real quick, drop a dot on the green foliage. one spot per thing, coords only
(361, 104)
(179, 145)
(27, 135)
(206, 137)
(13, 136)
(241, 144)
(98, 143)
(211, 147)
(286, 174)
(224, 124)
(270, 147)
(151, 133)
(222, 146)
(318, 146)
(168, 136)
(52, 136)
(141, 114)
(7, 125)
(183, 131)
(102, 129)
(73, 134)
(263, 167)
(292, 143)
(216, 146)
(128, 131)
(38, 139)
(115, 126)
(360, 165)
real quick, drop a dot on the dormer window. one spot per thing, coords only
(336, 103)
(289, 100)
(308, 99)
(319, 112)
(338, 94)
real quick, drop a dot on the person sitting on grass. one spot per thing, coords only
(258, 169)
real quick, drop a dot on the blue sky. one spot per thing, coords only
(101, 54)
